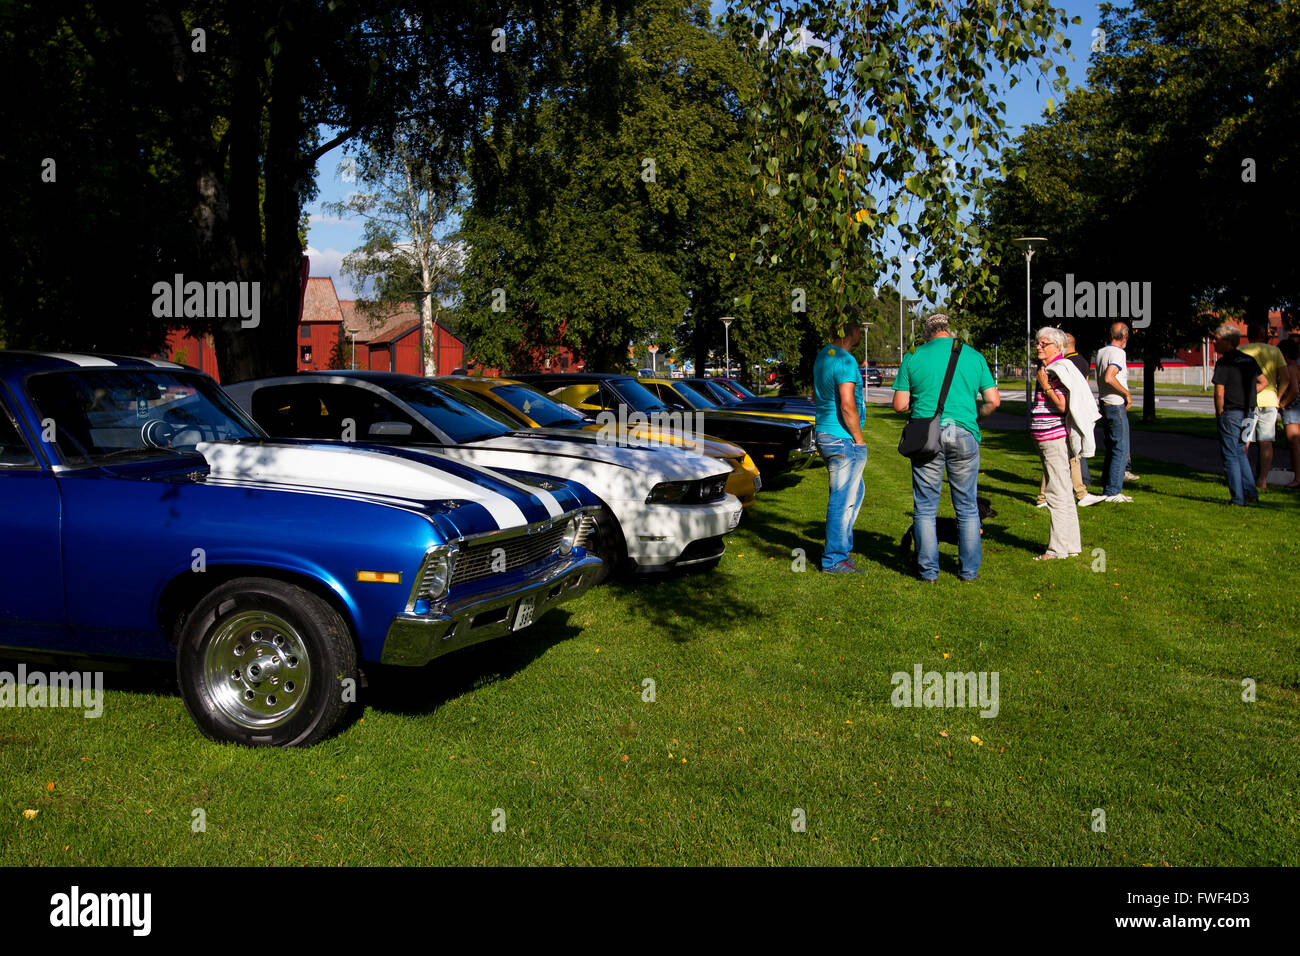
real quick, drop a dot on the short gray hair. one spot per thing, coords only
(935, 324)
(1229, 333)
(1053, 335)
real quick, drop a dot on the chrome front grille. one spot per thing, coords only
(477, 560)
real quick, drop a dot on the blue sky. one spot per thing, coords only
(329, 238)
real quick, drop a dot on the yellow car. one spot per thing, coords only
(517, 404)
(677, 394)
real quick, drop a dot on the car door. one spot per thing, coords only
(32, 612)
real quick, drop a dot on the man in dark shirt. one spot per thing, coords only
(1237, 380)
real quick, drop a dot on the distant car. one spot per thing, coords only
(515, 405)
(664, 507)
(645, 373)
(145, 517)
(682, 395)
(721, 392)
(774, 445)
(872, 376)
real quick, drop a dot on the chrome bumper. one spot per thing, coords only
(800, 458)
(415, 639)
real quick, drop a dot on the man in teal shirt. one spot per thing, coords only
(917, 387)
(841, 408)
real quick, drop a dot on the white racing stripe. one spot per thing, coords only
(353, 469)
(85, 361)
(541, 494)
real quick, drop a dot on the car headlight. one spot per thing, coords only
(668, 493)
(436, 578)
(570, 535)
(747, 463)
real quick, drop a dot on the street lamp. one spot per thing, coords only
(654, 366)
(901, 300)
(1030, 245)
(726, 326)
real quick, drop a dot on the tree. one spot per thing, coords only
(872, 117)
(611, 209)
(1143, 176)
(222, 107)
(405, 251)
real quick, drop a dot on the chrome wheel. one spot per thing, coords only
(257, 668)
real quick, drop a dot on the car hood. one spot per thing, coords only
(664, 463)
(386, 476)
(709, 447)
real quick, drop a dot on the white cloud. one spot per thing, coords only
(329, 262)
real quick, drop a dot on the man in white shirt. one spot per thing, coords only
(1112, 389)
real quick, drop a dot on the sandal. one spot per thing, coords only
(1046, 556)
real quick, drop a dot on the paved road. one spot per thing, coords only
(1013, 390)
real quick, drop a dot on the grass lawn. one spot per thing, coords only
(1120, 690)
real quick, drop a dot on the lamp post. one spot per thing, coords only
(353, 333)
(901, 300)
(726, 331)
(654, 366)
(1030, 245)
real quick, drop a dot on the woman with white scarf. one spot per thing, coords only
(1061, 421)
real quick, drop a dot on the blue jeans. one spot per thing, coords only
(1241, 481)
(961, 458)
(845, 463)
(1114, 419)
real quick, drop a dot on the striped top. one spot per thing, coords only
(1045, 422)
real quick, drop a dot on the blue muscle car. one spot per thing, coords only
(145, 516)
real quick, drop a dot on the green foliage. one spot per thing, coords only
(611, 208)
(872, 116)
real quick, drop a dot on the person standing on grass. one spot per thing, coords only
(1289, 403)
(1079, 474)
(1116, 399)
(841, 408)
(1237, 380)
(1271, 363)
(916, 389)
(1047, 426)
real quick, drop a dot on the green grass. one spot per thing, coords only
(1120, 690)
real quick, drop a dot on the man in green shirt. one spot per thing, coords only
(1271, 363)
(916, 388)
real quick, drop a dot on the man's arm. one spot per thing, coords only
(1112, 379)
(1261, 383)
(902, 401)
(991, 402)
(848, 402)
(1291, 389)
(1218, 399)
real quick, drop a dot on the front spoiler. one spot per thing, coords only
(415, 639)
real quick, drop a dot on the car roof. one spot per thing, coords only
(16, 364)
(575, 377)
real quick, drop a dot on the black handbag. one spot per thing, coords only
(921, 436)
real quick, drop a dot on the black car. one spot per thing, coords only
(729, 395)
(774, 445)
(872, 376)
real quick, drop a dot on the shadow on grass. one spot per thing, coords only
(156, 678)
(422, 690)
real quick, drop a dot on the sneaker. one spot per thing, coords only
(1118, 499)
(849, 562)
(1088, 500)
(1041, 504)
(1129, 476)
(844, 567)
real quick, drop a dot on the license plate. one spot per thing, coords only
(524, 617)
(735, 520)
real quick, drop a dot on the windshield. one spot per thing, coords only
(637, 396)
(736, 386)
(714, 391)
(93, 414)
(479, 404)
(693, 398)
(460, 422)
(546, 411)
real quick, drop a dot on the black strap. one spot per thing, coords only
(947, 378)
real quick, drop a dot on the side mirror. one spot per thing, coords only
(390, 430)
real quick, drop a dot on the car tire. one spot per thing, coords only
(607, 543)
(266, 663)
